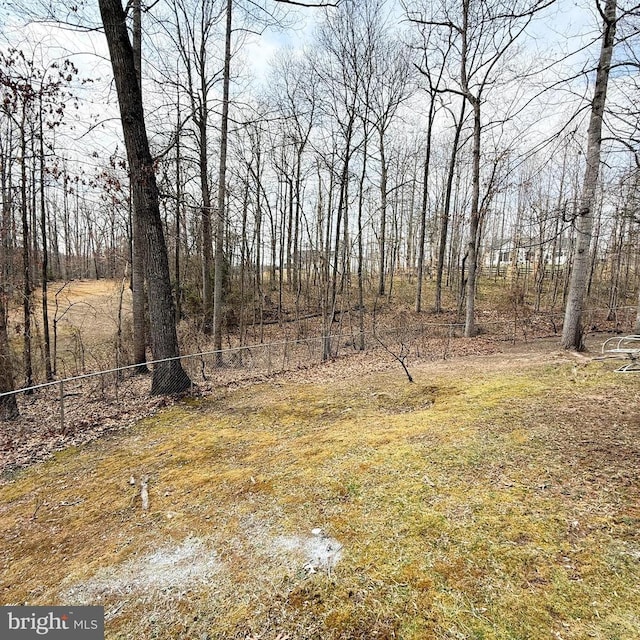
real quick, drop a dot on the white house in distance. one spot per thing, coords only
(524, 253)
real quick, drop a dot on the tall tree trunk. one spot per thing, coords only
(168, 376)
(136, 15)
(341, 214)
(7, 198)
(474, 227)
(325, 226)
(137, 251)
(287, 205)
(26, 257)
(177, 280)
(572, 330)
(45, 259)
(636, 327)
(8, 405)
(425, 200)
(383, 215)
(444, 223)
(244, 260)
(137, 290)
(219, 266)
(423, 217)
(471, 257)
(259, 292)
(207, 242)
(296, 228)
(360, 344)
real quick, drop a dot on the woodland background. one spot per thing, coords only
(316, 166)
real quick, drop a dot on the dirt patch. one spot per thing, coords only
(600, 436)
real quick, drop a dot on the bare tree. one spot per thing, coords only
(8, 404)
(636, 327)
(338, 65)
(446, 208)
(294, 98)
(482, 32)
(219, 257)
(433, 75)
(168, 376)
(572, 331)
(195, 36)
(390, 88)
(137, 241)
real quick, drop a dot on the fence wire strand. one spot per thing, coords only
(108, 394)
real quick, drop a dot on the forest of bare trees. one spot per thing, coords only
(386, 151)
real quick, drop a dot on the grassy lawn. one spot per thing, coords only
(497, 497)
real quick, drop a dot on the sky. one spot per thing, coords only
(569, 23)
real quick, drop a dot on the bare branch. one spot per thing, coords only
(306, 4)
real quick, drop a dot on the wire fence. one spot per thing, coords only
(109, 399)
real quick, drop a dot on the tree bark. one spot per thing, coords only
(444, 223)
(168, 377)
(474, 227)
(636, 328)
(219, 266)
(572, 330)
(177, 280)
(433, 92)
(474, 218)
(207, 243)
(45, 259)
(423, 215)
(8, 405)
(137, 251)
(137, 293)
(383, 215)
(26, 256)
(360, 343)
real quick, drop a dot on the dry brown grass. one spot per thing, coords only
(496, 498)
(86, 312)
